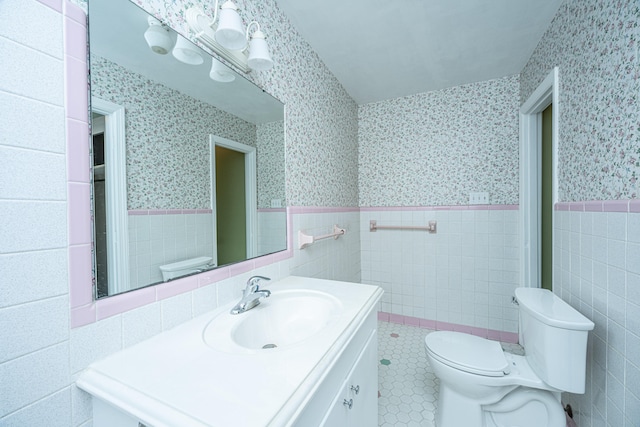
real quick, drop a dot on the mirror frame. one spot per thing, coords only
(84, 308)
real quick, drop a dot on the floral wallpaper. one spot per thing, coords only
(320, 120)
(167, 138)
(595, 45)
(270, 163)
(435, 148)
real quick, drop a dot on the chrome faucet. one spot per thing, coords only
(251, 295)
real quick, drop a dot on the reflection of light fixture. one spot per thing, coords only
(229, 40)
(220, 73)
(158, 37)
(187, 52)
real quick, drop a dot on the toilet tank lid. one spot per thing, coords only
(545, 306)
(187, 263)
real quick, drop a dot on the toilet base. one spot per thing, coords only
(522, 407)
(525, 407)
(456, 409)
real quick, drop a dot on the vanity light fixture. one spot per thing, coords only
(230, 31)
(186, 52)
(259, 57)
(220, 73)
(229, 39)
(158, 37)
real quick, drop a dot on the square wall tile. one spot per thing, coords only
(32, 377)
(33, 326)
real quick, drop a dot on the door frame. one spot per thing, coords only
(251, 190)
(530, 158)
(115, 155)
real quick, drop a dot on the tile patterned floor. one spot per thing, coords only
(408, 390)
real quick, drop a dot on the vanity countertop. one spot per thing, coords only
(176, 379)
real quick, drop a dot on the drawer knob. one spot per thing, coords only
(348, 403)
(356, 389)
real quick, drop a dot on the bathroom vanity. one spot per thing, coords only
(306, 356)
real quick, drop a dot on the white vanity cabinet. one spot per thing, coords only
(105, 415)
(356, 404)
(348, 395)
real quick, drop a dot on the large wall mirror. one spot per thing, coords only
(188, 155)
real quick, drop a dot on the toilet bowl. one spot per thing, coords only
(483, 386)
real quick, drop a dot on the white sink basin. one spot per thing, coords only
(285, 319)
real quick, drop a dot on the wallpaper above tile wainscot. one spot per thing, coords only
(435, 148)
(167, 138)
(595, 45)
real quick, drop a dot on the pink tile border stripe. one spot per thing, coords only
(272, 210)
(623, 206)
(320, 209)
(492, 334)
(441, 208)
(632, 206)
(143, 212)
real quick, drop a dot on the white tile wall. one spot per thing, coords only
(47, 182)
(334, 259)
(24, 220)
(54, 409)
(95, 341)
(33, 79)
(596, 259)
(41, 274)
(42, 323)
(34, 307)
(176, 310)
(272, 231)
(464, 274)
(50, 117)
(155, 240)
(141, 323)
(12, 20)
(37, 375)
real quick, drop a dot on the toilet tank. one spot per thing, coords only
(182, 268)
(554, 336)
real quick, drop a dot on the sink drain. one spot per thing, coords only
(269, 346)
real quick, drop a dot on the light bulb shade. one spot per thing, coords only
(259, 57)
(186, 52)
(158, 37)
(220, 73)
(230, 32)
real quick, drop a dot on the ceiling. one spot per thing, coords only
(385, 49)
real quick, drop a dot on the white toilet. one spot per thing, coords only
(482, 386)
(185, 267)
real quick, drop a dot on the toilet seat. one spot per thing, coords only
(468, 353)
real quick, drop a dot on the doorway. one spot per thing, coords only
(230, 206)
(233, 200)
(99, 205)
(109, 192)
(538, 181)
